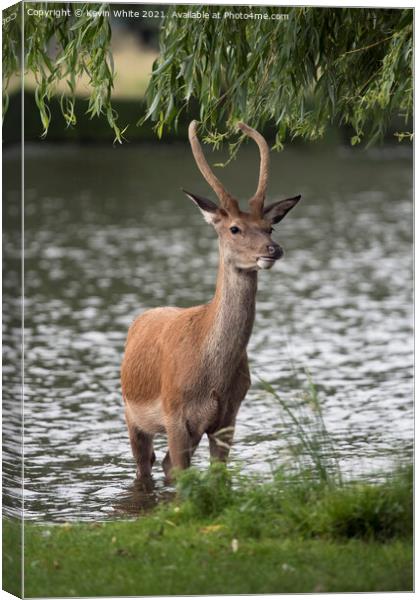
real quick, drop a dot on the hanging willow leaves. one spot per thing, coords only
(61, 46)
(297, 70)
(318, 66)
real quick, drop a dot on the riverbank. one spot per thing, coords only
(227, 535)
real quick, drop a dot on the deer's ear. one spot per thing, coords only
(278, 210)
(207, 207)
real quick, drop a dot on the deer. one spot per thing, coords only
(185, 371)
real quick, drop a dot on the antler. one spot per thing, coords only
(256, 203)
(226, 200)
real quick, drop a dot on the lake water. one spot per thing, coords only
(108, 234)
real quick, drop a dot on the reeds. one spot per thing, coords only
(307, 425)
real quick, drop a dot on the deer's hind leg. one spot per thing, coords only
(220, 442)
(142, 447)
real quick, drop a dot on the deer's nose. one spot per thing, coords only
(274, 251)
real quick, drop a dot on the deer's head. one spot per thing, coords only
(245, 237)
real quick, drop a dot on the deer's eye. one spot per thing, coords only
(235, 229)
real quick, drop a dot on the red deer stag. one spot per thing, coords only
(185, 370)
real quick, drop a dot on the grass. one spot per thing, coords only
(304, 421)
(304, 531)
(226, 534)
(185, 561)
(12, 556)
(296, 507)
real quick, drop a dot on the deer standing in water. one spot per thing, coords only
(185, 370)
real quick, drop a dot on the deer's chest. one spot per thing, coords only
(216, 393)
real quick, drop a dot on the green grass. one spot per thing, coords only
(289, 535)
(85, 562)
(296, 506)
(12, 556)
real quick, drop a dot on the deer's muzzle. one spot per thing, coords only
(274, 252)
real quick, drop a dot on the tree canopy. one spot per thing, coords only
(297, 70)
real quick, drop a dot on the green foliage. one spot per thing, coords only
(296, 504)
(62, 46)
(322, 65)
(367, 511)
(296, 74)
(207, 493)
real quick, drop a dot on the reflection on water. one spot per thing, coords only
(108, 234)
(140, 496)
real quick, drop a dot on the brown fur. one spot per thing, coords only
(185, 371)
(188, 366)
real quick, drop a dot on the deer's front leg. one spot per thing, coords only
(182, 444)
(221, 436)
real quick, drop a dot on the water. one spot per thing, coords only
(108, 233)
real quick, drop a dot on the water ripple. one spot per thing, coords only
(98, 251)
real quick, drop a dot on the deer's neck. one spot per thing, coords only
(231, 316)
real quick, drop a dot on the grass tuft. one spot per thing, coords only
(366, 511)
(206, 493)
(292, 505)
